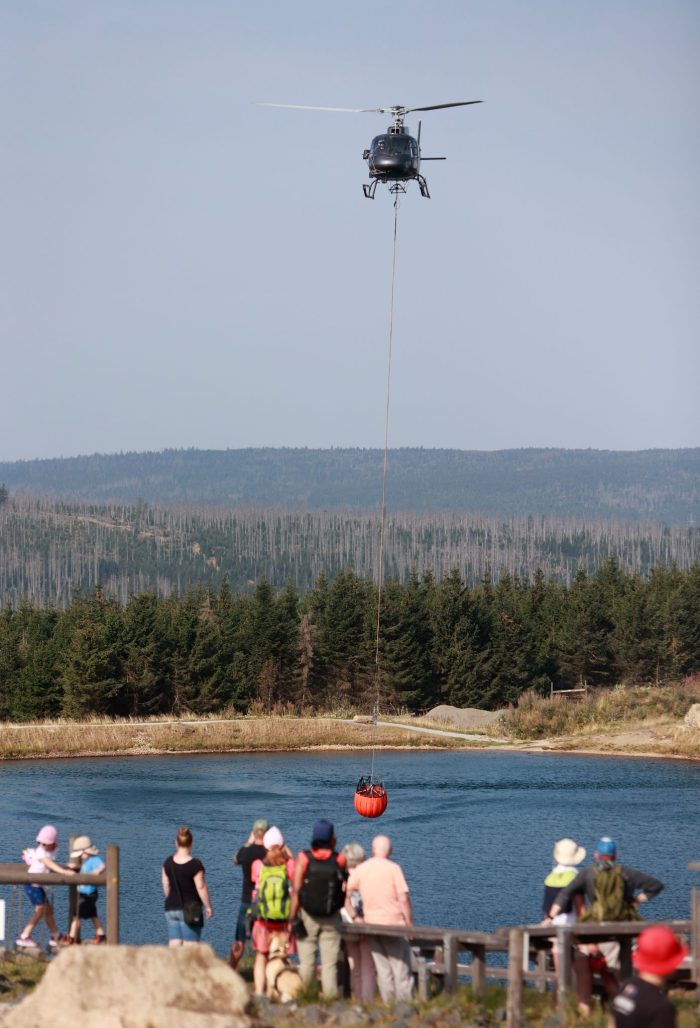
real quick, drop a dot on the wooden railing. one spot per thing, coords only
(436, 953)
(17, 874)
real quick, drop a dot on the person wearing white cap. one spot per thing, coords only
(85, 857)
(272, 901)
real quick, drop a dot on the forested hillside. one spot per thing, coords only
(440, 642)
(649, 485)
(50, 549)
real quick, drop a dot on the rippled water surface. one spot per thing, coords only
(473, 830)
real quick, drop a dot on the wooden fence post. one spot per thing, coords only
(112, 868)
(625, 957)
(478, 969)
(72, 891)
(450, 958)
(695, 935)
(514, 1012)
(562, 945)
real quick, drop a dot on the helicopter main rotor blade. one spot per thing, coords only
(311, 107)
(437, 107)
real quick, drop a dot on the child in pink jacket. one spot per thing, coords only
(40, 860)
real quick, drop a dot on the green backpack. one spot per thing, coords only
(610, 902)
(273, 901)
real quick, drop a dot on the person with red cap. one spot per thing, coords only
(642, 1003)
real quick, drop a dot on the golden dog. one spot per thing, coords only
(281, 976)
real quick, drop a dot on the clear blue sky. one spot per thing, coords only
(180, 267)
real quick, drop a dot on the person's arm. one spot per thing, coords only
(351, 886)
(236, 858)
(406, 908)
(51, 865)
(203, 893)
(577, 886)
(165, 882)
(299, 872)
(645, 887)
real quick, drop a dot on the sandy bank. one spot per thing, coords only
(61, 739)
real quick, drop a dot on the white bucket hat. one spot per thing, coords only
(83, 844)
(568, 853)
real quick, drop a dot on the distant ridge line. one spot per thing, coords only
(659, 485)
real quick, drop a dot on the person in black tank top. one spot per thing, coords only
(184, 886)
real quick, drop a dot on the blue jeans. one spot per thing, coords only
(35, 894)
(177, 929)
(242, 924)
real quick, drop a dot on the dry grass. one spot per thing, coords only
(633, 719)
(538, 717)
(95, 737)
(19, 973)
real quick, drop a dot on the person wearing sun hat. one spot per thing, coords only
(641, 1002)
(603, 957)
(567, 855)
(639, 887)
(84, 856)
(253, 849)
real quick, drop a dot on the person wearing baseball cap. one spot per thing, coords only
(253, 849)
(319, 894)
(638, 887)
(642, 1003)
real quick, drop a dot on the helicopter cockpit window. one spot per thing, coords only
(399, 145)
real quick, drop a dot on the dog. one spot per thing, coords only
(283, 982)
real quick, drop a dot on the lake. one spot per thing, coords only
(472, 830)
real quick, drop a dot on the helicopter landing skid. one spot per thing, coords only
(423, 185)
(370, 188)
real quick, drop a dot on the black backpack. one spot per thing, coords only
(323, 890)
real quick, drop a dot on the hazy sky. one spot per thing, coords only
(180, 267)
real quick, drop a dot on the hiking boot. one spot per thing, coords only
(61, 940)
(28, 943)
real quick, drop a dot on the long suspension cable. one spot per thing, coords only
(382, 528)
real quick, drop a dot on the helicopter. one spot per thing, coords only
(393, 157)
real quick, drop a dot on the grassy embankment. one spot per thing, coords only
(95, 737)
(443, 1011)
(19, 974)
(641, 719)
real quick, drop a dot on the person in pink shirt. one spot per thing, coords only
(385, 901)
(40, 860)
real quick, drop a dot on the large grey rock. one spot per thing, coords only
(692, 718)
(135, 987)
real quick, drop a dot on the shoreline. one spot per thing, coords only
(534, 750)
(65, 740)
